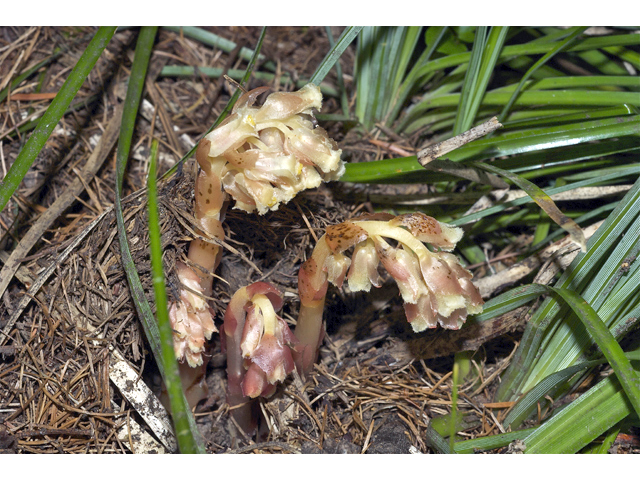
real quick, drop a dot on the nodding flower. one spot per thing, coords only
(259, 348)
(266, 155)
(258, 342)
(413, 249)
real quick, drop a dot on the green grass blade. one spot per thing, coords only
(567, 97)
(129, 114)
(567, 340)
(492, 442)
(611, 349)
(527, 403)
(545, 58)
(481, 67)
(334, 54)
(187, 439)
(605, 255)
(54, 113)
(471, 80)
(583, 420)
(508, 301)
(370, 68)
(132, 102)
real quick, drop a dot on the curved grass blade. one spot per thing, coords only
(492, 442)
(544, 202)
(131, 105)
(227, 109)
(611, 349)
(334, 54)
(179, 408)
(599, 280)
(545, 58)
(54, 113)
(595, 268)
(509, 300)
(537, 393)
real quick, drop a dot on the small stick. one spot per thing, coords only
(439, 149)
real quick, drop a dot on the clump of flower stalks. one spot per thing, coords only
(259, 157)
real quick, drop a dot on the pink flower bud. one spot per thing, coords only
(259, 343)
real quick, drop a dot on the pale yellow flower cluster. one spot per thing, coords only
(265, 155)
